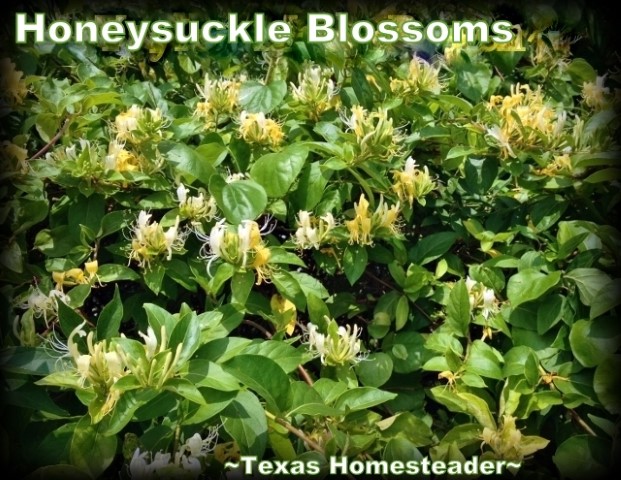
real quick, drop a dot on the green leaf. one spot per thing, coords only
(241, 285)
(187, 161)
(484, 360)
(473, 80)
(264, 376)
(111, 272)
(606, 299)
(583, 456)
(276, 172)
(530, 284)
(590, 281)
(154, 277)
(244, 420)
(375, 370)
(355, 260)
(362, 398)
(110, 317)
(287, 357)
(432, 247)
(402, 311)
(69, 319)
(606, 383)
(32, 360)
(241, 200)
(465, 403)
(91, 451)
(592, 340)
(311, 186)
(458, 308)
(362, 88)
(256, 97)
(186, 389)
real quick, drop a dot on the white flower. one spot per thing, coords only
(501, 138)
(339, 347)
(150, 341)
(182, 194)
(138, 466)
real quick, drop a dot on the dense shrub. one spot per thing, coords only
(378, 251)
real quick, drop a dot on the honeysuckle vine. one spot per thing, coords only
(303, 251)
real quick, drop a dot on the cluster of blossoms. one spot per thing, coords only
(375, 134)
(313, 231)
(553, 51)
(37, 305)
(525, 119)
(316, 90)
(136, 126)
(12, 86)
(76, 276)
(412, 183)
(481, 298)
(13, 160)
(365, 226)
(595, 94)
(196, 208)
(100, 368)
(256, 128)
(240, 246)
(220, 100)
(150, 241)
(340, 346)
(419, 77)
(508, 443)
(186, 463)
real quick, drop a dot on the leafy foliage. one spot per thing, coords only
(295, 251)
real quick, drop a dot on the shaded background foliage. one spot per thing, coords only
(449, 366)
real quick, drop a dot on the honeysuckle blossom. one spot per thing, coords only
(12, 85)
(240, 246)
(138, 124)
(421, 76)
(42, 305)
(508, 443)
(375, 134)
(257, 128)
(525, 119)
(195, 208)
(220, 100)
(77, 276)
(412, 183)
(150, 240)
(316, 90)
(366, 225)
(119, 159)
(481, 298)
(187, 462)
(340, 346)
(312, 231)
(595, 94)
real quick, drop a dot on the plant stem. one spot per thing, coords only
(53, 140)
(296, 431)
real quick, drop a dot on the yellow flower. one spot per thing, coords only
(257, 128)
(139, 124)
(412, 183)
(241, 247)
(595, 94)
(313, 231)
(12, 85)
(150, 240)
(508, 443)
(365, 226)
(525, 120)
(375, 134)
(560, 166)
(221, 100)
(196, 208)
(316, 90)
(13, 160)
(420, 77)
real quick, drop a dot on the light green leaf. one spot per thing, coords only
(530, 284)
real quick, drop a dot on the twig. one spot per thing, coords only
(261, 328)
(578, 419)
(303, 373)
(54, 139)
(296, 431)
(305, 376)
